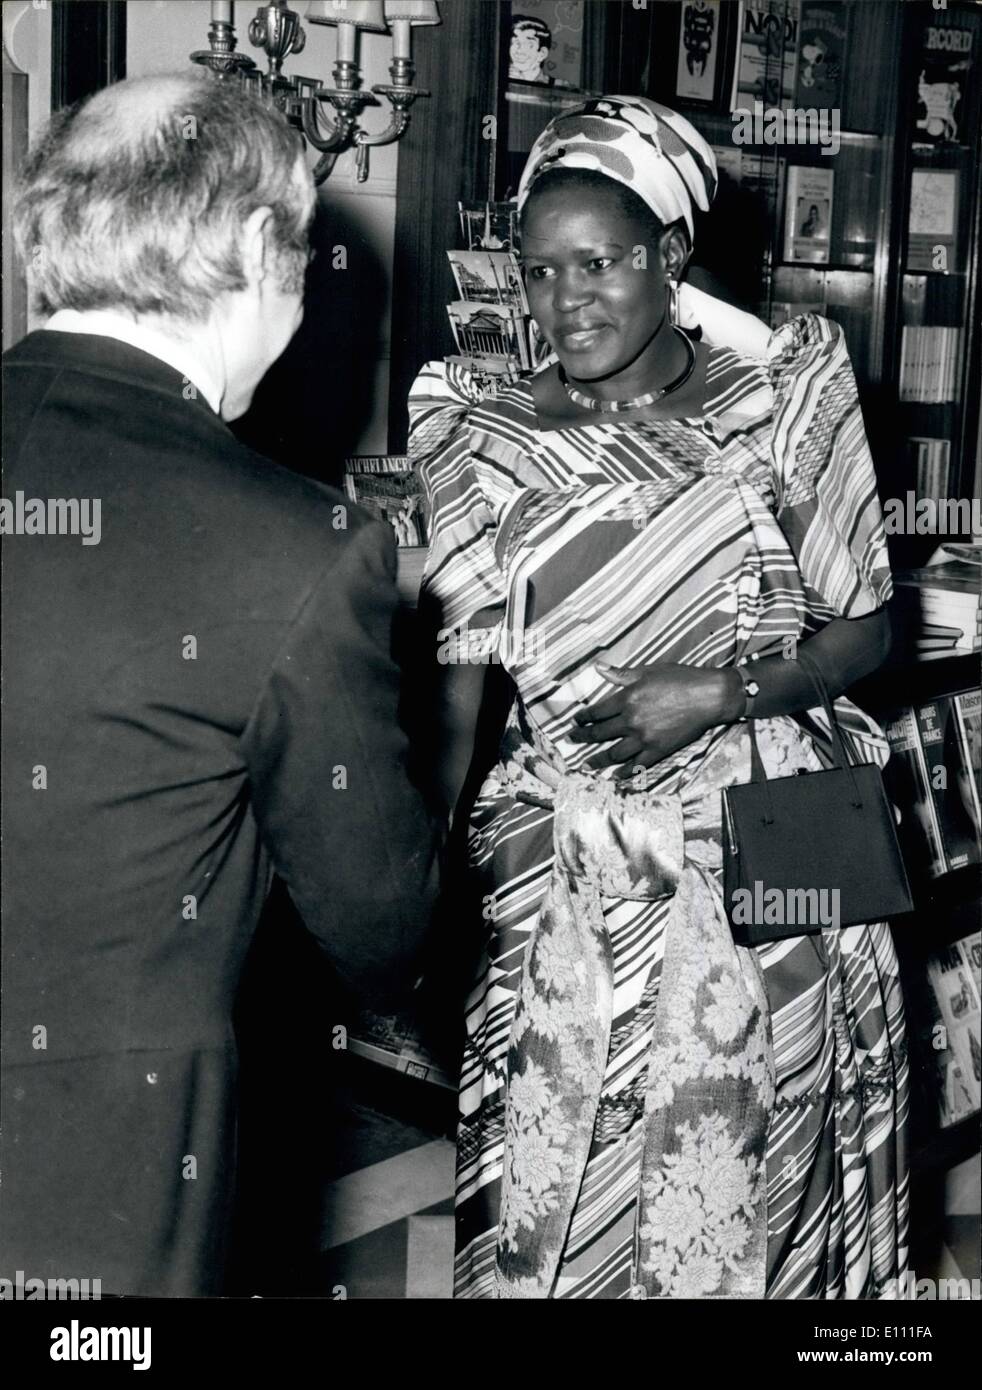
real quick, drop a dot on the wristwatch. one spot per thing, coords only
(750, 690)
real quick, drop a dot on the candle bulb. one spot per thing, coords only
(347, 36)
(221, 13)
(400, 38)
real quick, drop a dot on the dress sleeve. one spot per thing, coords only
(828, 506)
(462, 574)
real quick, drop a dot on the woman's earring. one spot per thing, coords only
(673, 301)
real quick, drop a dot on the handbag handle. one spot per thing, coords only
(840, 752)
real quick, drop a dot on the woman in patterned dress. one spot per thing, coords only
(647, 1110)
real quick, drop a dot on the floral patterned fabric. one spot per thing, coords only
(703, 1211)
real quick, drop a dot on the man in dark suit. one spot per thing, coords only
(198, 684)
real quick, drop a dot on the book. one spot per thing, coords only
(489, 277)
(929, 363)
(396, 498)
(821, 54)
(968, 713)
(933, 219)
(906, 777)
(378, 463)
(767, 58)
(936, 621)
(955, 982)
(807, 213)
(943, 74)
(946, 1089)
(955, 581)
(932, 466)
(938, 729)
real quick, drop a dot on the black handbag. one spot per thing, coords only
(811, 851)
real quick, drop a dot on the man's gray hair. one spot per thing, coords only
(134, 198)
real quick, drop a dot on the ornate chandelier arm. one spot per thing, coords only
(401, 99)
(337, 134)
(341, 134)
(401, 94)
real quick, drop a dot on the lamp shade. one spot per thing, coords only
(416, 11)
(364, 14)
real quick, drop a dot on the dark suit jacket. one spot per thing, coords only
(174, 788)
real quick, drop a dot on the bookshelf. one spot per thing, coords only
(908, 698)
(900, 259)
(936, 284)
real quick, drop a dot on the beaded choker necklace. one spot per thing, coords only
(613, 407)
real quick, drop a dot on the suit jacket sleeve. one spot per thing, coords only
(347, 831)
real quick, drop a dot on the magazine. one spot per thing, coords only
(768, 54)
(808, 213)
(955, 983)
(393, 497)
(938, 727)
(906, 777)
(933, 219)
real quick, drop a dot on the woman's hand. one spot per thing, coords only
(657, 710)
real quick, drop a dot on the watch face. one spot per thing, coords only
(752, 689)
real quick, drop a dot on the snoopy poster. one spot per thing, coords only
(822, 56)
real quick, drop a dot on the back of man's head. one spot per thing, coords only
(134, 199)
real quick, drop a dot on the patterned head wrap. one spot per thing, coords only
(648, 147)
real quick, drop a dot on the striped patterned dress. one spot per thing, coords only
(701, 541)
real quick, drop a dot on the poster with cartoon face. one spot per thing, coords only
(547, 42)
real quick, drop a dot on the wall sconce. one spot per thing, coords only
(278, 32)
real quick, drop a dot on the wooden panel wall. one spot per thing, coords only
(444, 156)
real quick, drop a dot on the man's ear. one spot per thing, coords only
(254, 242)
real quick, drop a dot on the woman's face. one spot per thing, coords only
(597, 299)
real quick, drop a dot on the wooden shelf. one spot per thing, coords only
(934, 275)
(834, 266)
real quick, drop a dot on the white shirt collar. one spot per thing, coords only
(106, 324)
